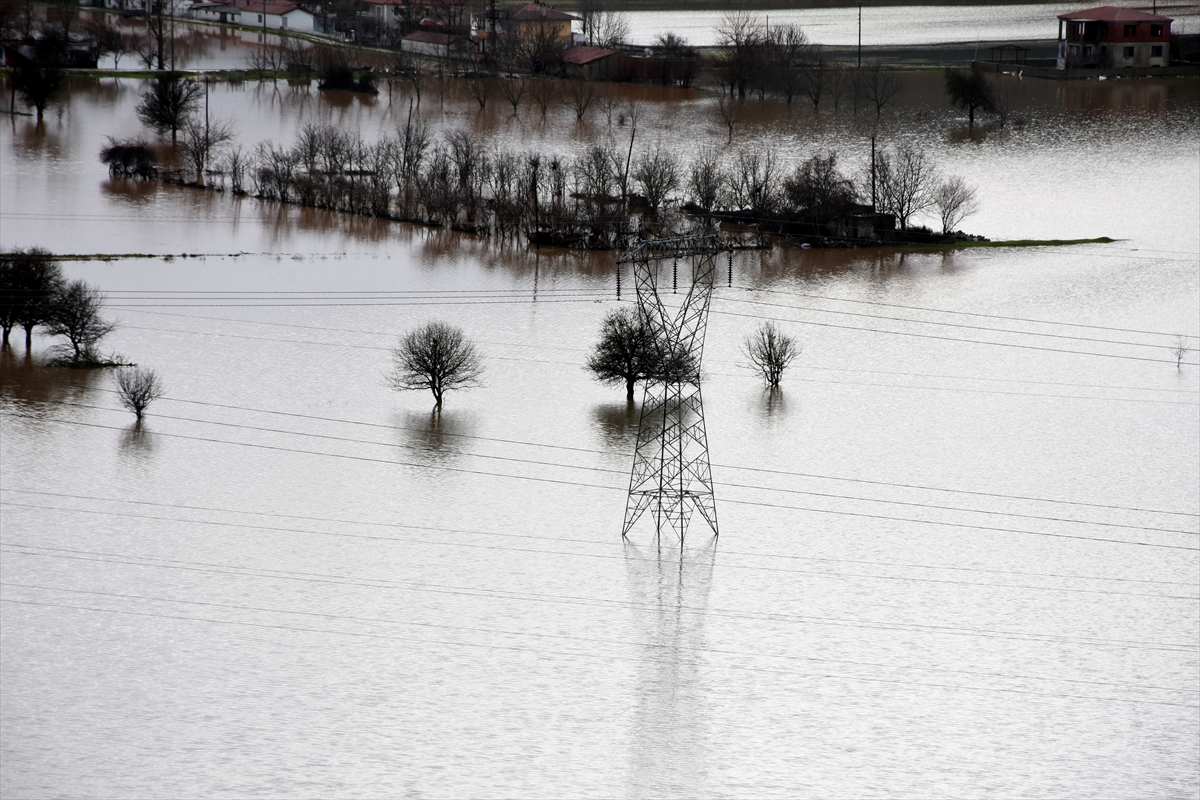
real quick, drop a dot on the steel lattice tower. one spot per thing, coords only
(671, 475)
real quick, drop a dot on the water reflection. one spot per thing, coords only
(137, 442)
(617, 424)
(669, 589)
(436, 436)
(128, 190)
(35, 390)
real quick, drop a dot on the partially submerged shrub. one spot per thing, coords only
(131, 158)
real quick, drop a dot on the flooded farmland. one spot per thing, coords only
(958, 550)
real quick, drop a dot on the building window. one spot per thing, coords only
(1130, 30)
(1156, 51)
(1087, 49)
(1129, 52)
(1156, 30)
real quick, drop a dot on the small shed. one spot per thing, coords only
(589, 63)
(1112, 37)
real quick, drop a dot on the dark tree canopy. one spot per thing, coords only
(625, 352)
(38, 84)
(819, 189)
(29, 283)
(969, 89)
(437, 357)
(168, 103)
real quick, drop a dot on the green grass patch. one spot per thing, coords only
(1007, 243)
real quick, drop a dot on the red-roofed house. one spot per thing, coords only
(1111, 37)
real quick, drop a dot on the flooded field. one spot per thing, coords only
(958, 551)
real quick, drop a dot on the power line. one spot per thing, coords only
(424, 587)
(555, 539)
(964, 313)
(584, 350)
(442, 543)
(464, 470)
(674, 647)
(944, 324)
(954, 339)
(605, 657)
(621, 472)
(787, 473)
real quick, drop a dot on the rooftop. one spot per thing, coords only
(585, 55)
(536, 11)
(1112, 14)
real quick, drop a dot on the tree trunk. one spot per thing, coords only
(28, 337)
(629, 382)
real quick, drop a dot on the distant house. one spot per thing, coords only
(589, 63)
(1110, 37)
(527, 23)
(280, 15)
(225, 13)
(430, 43)
(388, 13)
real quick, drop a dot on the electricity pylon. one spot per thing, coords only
(671, 475)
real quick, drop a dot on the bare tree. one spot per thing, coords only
(969, 89)
(954, 201)
(543, 92)
(513, 90)
(729, 111)
(904, 182)
(202, 140)
(137, 388)
(819, 189)
(770, 351)
(437, 357)
(579, 96)
(877, 85)
(754, 182)
(610, 29)
(741, 36)
(657, 173)
(1181, 349)
(75, 314)
(705, 181)
(169, 102)
(625, 353)
(607, 102)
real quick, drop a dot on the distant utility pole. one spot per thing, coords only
(671, 475)
(860, 35)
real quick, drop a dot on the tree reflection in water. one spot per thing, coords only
(34, 390)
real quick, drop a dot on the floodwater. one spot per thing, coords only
(896, 25)
(204, 47)
(958, 551)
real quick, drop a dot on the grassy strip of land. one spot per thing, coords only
(1008, 243)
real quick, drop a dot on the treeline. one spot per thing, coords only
(601, 198)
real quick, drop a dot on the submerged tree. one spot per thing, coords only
(954, 201)
(170, 101)
(76, 316)
(625, 353)
(38, 85)
(770, 351)
(137, 388)
(969, 89)
(437, 357)
(29, 283)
